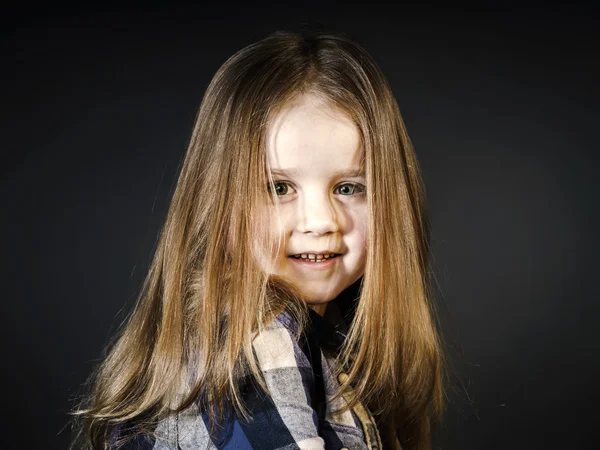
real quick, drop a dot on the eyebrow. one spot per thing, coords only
(351, 173)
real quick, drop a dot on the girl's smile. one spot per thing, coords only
(319, 217)
(317, 261)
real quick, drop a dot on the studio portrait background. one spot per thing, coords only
(501, 105)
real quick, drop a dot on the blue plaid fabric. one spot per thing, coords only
(299, 413)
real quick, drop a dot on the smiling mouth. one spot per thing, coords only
(311, 257)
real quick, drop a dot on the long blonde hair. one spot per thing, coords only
(201, 303)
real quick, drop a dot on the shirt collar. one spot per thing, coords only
(332, 328)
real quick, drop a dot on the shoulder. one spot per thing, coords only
(285, 416)
(280, 345)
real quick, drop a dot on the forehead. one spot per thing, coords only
(310, 133)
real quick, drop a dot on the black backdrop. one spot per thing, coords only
(501, 104)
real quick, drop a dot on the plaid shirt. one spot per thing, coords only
(298, 413)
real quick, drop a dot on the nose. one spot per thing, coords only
(318, 215)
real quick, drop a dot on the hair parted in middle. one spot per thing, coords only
(206, 297)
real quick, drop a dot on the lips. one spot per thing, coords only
(315, 256)
(321, 259)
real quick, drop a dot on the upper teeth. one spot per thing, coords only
(313, 256)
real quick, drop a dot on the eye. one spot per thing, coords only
(350, 189)
(280, 188)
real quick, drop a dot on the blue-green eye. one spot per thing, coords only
(350, 189)
(280, 188)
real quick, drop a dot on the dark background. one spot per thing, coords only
(501, 103)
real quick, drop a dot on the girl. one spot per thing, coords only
(287, 303)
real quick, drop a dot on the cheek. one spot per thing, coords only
(359, 234)
(360, 222)
(269, 241)
(281, 223)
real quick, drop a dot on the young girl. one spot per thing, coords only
(287, 303)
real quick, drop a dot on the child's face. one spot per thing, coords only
(314, 154)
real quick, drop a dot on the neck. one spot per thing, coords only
(319, 308)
